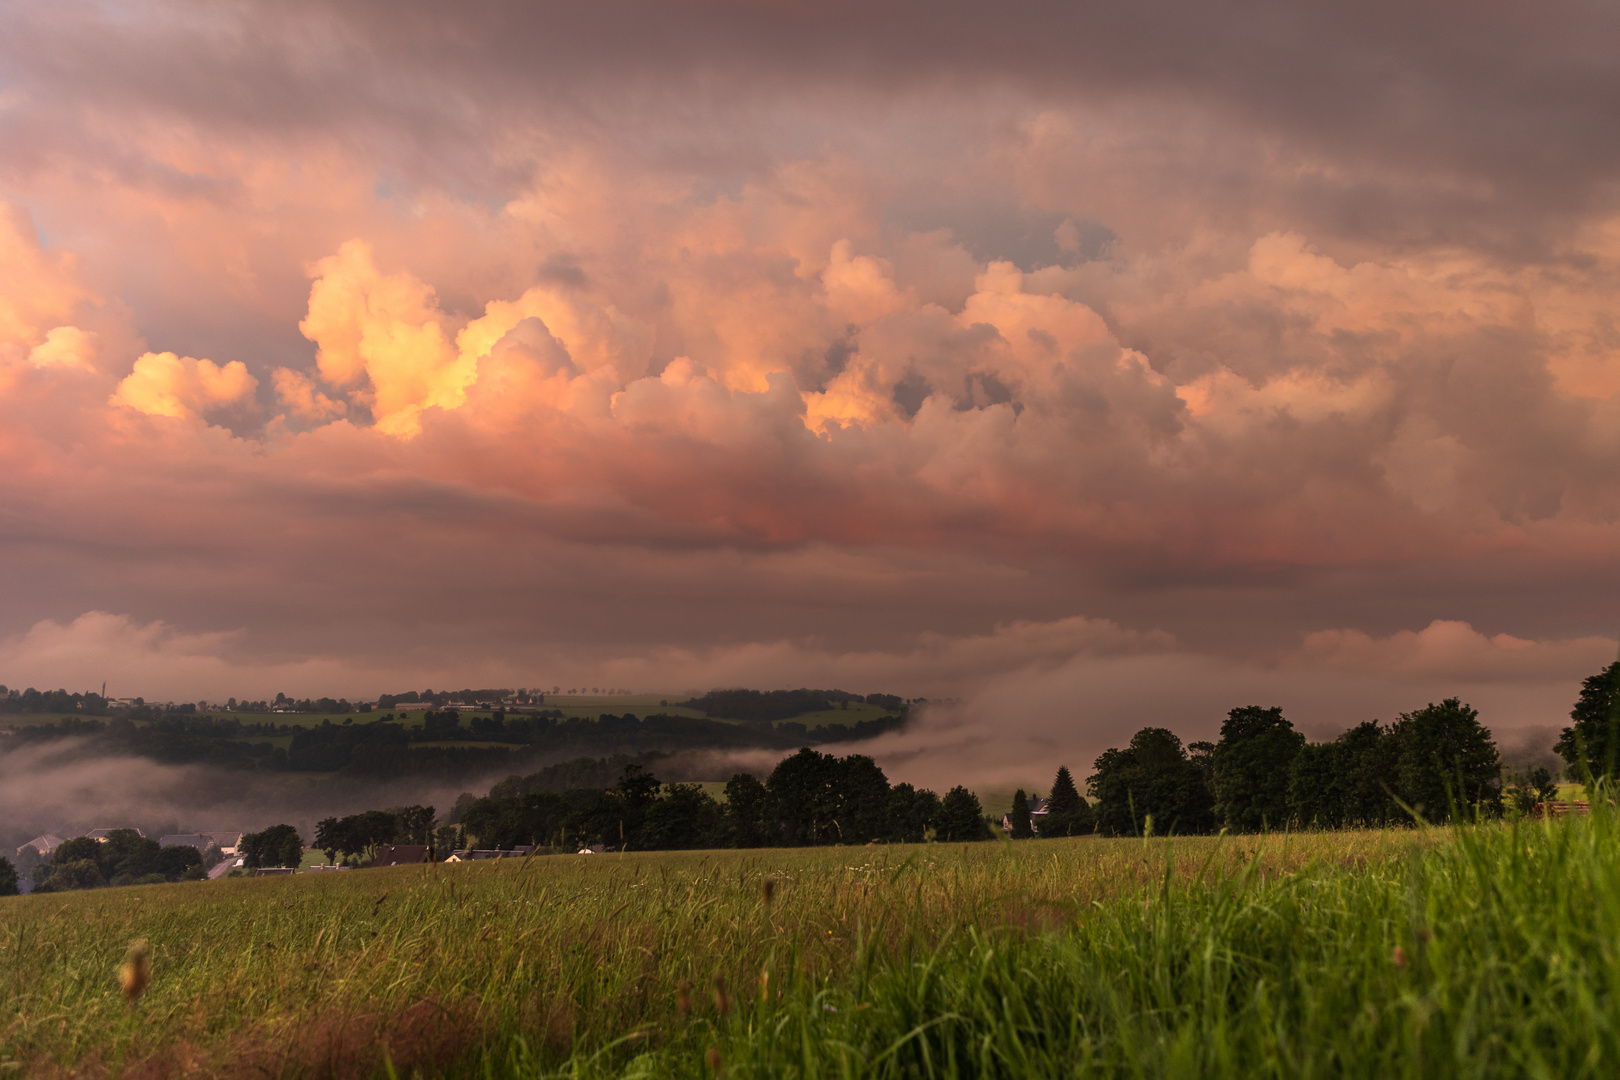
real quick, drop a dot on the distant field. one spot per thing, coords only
(572, 707)
(591, 706)
(850, 716)
(465, 745)
(1481, 951)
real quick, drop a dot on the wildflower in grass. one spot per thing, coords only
(136, 974)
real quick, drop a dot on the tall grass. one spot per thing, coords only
(1168, 957)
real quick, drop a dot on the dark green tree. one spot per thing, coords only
(279, 845)
(684, 817)
(175, 860)
(415, 824)
(126, 856)
(1367, 764)
(1067, 814)
(1202, 754)
(804, 803)
(1348, 783)
(1065, 797)
(1593, 740)
(746, 802)
(1316, 783)
(1151, 778)
(329, 838)
(71, 874)
(1251, 766)
(362, 834)
(913, 813)
(1543, 783)
(637, 787)
(1445, 755)
(961, 817)
(8, 878)
(1018, 817)
(863, 800)
(78, 849)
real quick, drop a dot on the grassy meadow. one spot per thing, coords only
(1488, 950)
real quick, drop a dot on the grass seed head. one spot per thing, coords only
(1400, 957)
(768, 891)
(764, 985)
(683, 996)
(712, 1056)
(722, 1001)
(135, 974)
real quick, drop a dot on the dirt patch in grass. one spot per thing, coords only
(426, 1036)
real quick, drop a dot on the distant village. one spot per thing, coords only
(211, 857)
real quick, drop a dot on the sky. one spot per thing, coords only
(1091, 366)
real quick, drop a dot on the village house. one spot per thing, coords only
(194, 840)
(480, 854)
(43, 846)
(1037, 811)
(400, 855)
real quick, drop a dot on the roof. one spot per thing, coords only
(102, 834)
(272, 871)
(400, 855)
(196, 840)
(475, 854)
(43, 844)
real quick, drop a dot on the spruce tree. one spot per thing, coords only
(1020, 817)
(1065, 796)
(1067, 813)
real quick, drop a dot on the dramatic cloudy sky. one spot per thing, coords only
(1098, 364)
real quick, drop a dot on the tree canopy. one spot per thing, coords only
(1593, 739)
(279, 845)
(1445, 757)
(1251, 767)
(1067, 814)
(1152, 778)
(1018, 817)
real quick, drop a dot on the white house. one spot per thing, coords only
(42, 845)
(1037, 811)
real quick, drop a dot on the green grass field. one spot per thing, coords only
(1482, 951)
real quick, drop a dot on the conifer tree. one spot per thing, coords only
(1067, 813)
(1020, 817)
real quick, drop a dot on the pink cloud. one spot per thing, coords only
(711, 346)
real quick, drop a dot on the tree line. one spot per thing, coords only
(1430, 765)
(810, 798)
(767, 706)
(458, 744)
(125, 857)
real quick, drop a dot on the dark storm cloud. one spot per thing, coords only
(1494, 102)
